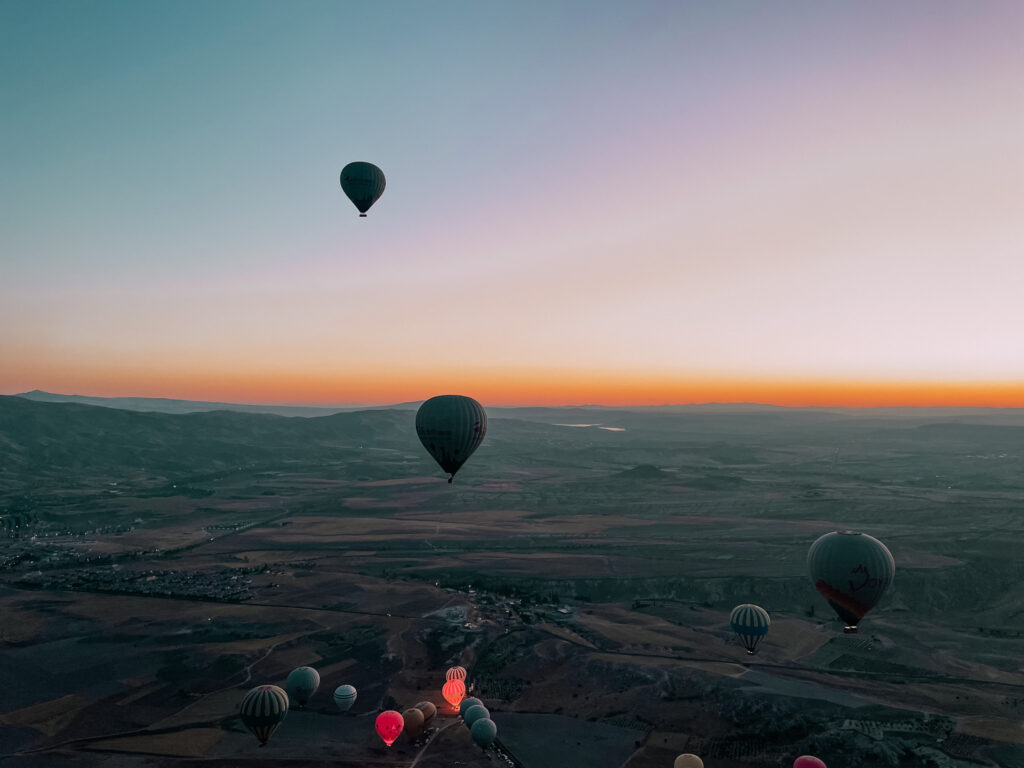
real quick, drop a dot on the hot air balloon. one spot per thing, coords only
(301, 684)
(750, 623)
(456, 673)
(465, 704)
(453, 692)
(852, 571)
(451, 427)
(414, 721)
(363, 183)
(428, 709)
(808, 761)
(263, 709)
(474, 713)
(344, 697)
(688, 761)
(484, 732)
(389, 725)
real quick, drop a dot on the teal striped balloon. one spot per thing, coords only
(451, 427)
(301, 684)
(263, 709)
(363, 183)
(750, 623)
(852, 571)
(345, 697)
(474, 713)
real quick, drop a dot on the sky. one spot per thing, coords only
(800, 203)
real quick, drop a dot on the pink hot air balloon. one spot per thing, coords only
(808, 761)
(389, 725)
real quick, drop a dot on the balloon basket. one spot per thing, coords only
(362, 215)
(849, 630)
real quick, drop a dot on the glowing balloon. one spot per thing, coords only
(852, 571)
(474, 713)
(301, 684)
(451, 427)
(344, 697)
(364, 184)
(688, 761)
(808, 761)
(428, 709)
(750, 623)
(453, 692)
(389, 725)
(465, 704)
(263, 709)
(456, 673)
(414, 722)
(484, 732)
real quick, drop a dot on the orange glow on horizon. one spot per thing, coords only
(523, 387)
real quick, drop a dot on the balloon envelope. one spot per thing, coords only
(263, 709)
(428, 709)
(344, 697)
(474, 713)
(453, 692)
(389, 725)
(363, 183)
(852, 571)
(451, 427)
(688, 761)
(301, 684)
(750, 623)
(413, 722)
(484, 732)
(465, 704)
(808, 761)
(456, 673)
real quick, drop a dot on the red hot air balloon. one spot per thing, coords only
(389, 725)
(456, 673)
(808, 761)
(453, 692)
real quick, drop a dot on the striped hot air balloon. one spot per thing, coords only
(454, 691)
(451, 427)
(750, 623)
(344, 697)
(456, 673)
(263, 709)
(364, 184)
(852, 571)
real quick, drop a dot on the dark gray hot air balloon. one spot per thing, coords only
(852, 571)
(451, 427)
(363, 183)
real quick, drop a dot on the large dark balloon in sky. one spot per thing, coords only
(263, 709)
(852, 571)
(363, 183)
(451, 427)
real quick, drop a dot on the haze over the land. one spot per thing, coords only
(623, 203)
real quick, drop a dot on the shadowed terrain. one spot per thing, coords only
(582, 567)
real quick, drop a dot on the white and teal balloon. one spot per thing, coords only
(750, 623)
(344, 697)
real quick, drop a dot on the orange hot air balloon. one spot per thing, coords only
(456, 673)
(453, 692)
(389, 725)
